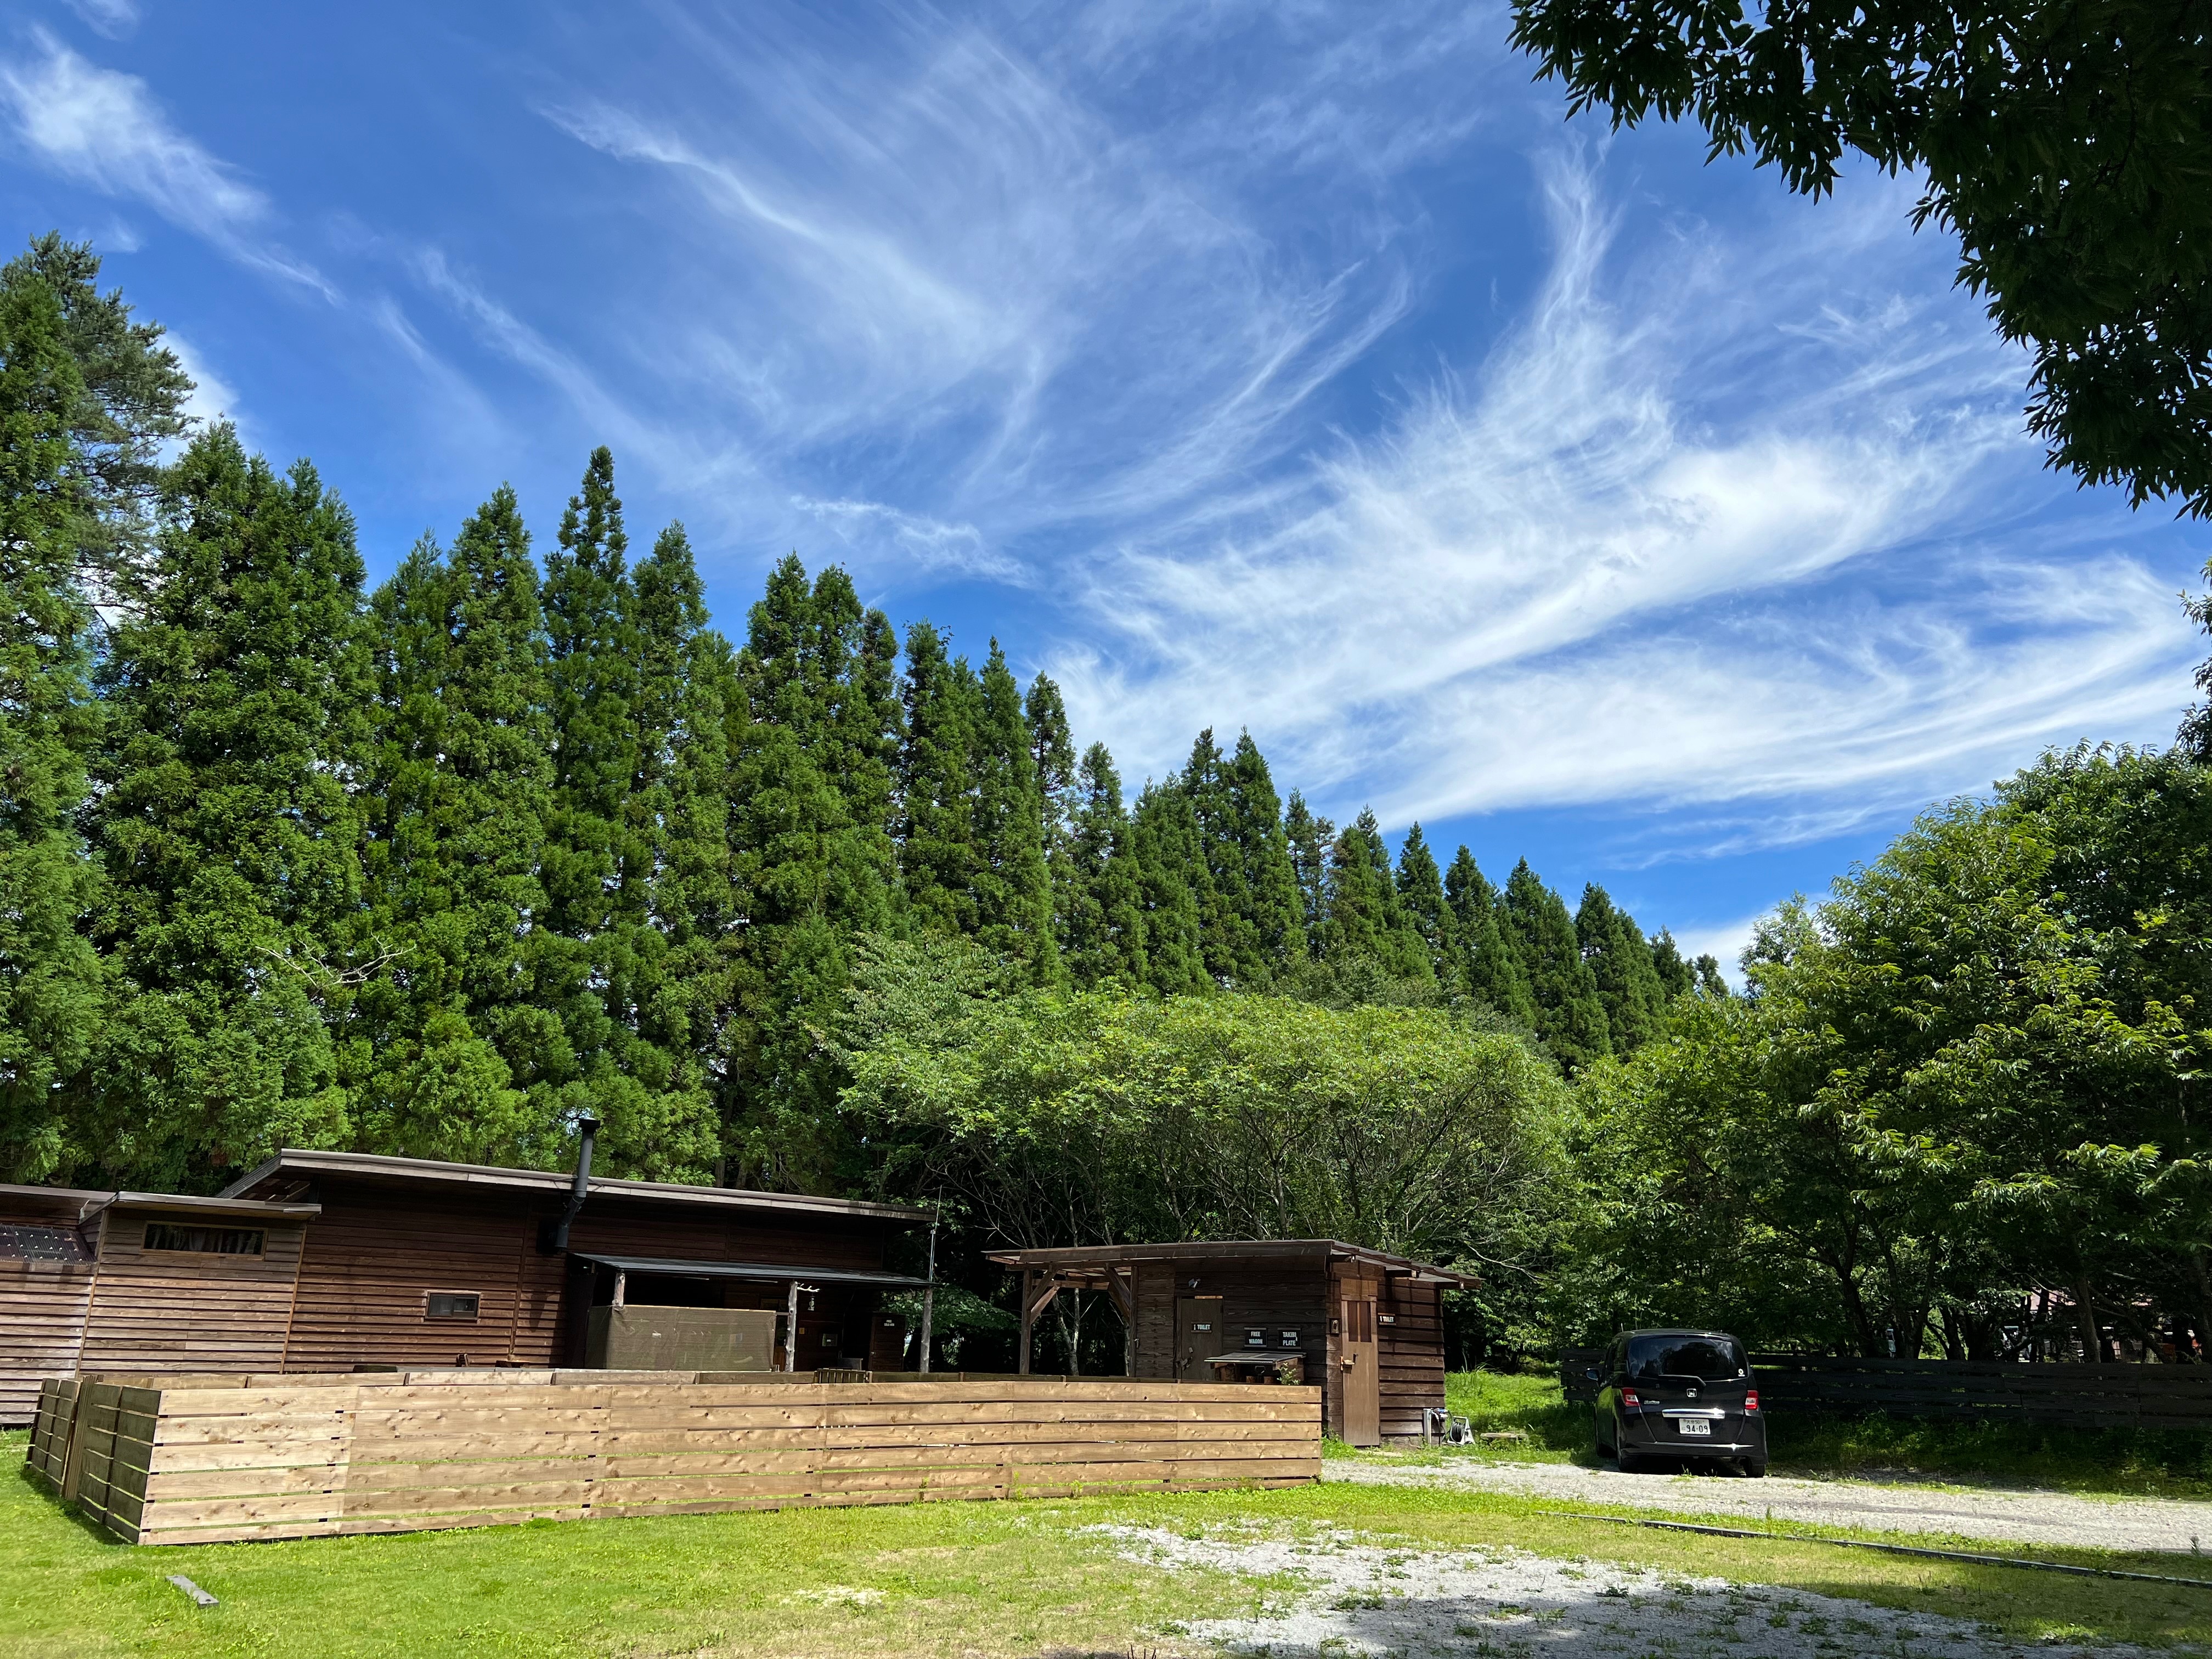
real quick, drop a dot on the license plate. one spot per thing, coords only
(1695, 1425)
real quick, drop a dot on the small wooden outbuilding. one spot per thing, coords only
(1364, 1325)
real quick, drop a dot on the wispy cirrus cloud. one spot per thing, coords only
(105, 129)
(1707, 527)
(115, 19)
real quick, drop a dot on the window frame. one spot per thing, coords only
(188, 1229)
(474, 1316)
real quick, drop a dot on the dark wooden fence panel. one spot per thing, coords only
(2074, 1396)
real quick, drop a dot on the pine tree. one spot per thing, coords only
(1105, 918)
(87, 397)
(1421, 896)
(1484, 966)
(452, 1047)
(1172, 877)
(1013, 888)
(1619, 958)
(1365, 921)
(1570, 1017)
(1307, 838)
(235, 692)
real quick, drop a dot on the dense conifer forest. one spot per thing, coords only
(434, 867)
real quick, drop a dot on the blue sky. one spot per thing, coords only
(1294, 367)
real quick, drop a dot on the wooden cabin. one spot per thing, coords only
(332, 1261)
(1366, 1326)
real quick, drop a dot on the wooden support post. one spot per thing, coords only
(1028, 1280)
(1125, 1303)
(621, 1287)
(791, 1329)
(1034, 1300)
(929, 1300)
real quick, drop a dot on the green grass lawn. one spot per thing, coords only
(2108, 1462)
(951, 1579)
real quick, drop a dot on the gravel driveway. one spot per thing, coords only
(2031, 1517)
(1350, 1597)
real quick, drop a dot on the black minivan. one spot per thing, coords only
(1679, 1393)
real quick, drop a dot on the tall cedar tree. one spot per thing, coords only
(809, 793)
(1251, 924)
(1013, 889)
(1484, 964)
(1308, 839)
(1570, 1017)
(678, 809)
(1680, 976)
(1052, 750)
(456, 1054)
(1104, 942)
(599, 855)
(236, 690)
(1365, 921)
(941, 706)
(87, 398)
(1619, 958)
(1421, 896)
(1172, 878)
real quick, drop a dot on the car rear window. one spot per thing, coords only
(1710, 1359)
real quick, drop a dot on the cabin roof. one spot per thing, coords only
(90, 1201)
(293, 1164)
(1099, 1258)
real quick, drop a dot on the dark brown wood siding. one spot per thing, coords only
(42, 1306)
(185, 1310)
(377, 1252)
(1412, 1353)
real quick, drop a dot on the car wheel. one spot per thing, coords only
(1631, 1462)
(1755, 1467)
(1609, 1448)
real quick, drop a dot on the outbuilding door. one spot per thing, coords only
(1198, 1337)
(1359, 1374)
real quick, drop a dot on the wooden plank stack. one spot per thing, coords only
(205, 1460)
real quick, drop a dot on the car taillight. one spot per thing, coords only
(1751, 1400)
(1628, 1397)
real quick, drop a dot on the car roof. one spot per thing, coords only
(1676, 1330)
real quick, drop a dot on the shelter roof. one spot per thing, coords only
(1096, 1260)
(778, 1272)
(292, 1165)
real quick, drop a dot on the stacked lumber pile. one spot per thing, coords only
(205, 1460)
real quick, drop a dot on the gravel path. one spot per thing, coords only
(1357, 1598)
(2033, 1517)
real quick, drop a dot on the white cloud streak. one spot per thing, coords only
(1670, 545)
(104, 130)
(115, 19)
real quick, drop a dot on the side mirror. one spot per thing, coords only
(1590, 1374)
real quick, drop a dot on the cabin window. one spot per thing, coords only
(206, 1241)
(462, 1305)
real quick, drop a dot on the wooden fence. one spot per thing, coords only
(204, 1460)
(2073, 1396)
